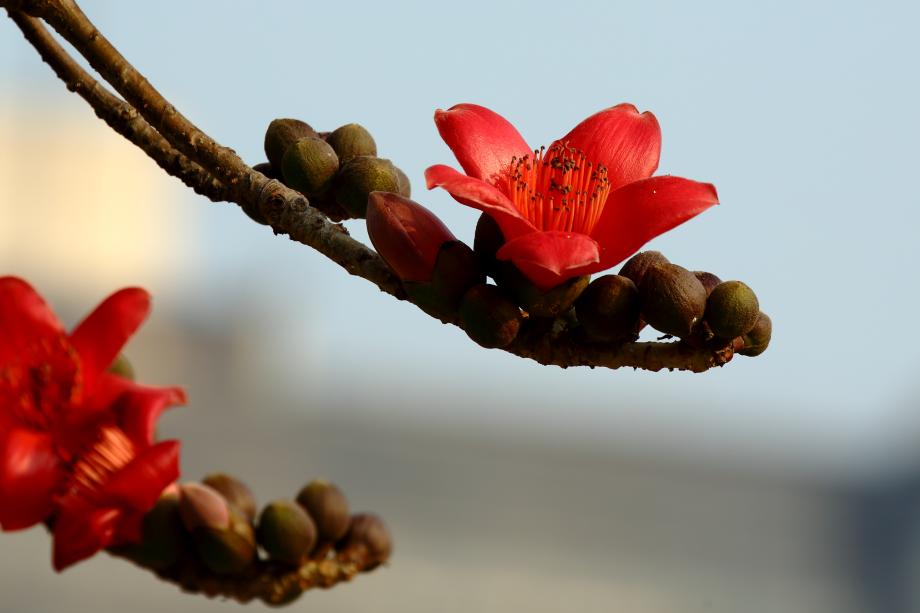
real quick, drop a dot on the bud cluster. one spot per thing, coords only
(337, 170)
(210, 537)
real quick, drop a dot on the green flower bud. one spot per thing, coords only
(757, 339)
(309, 166)
(163, 537)
(488, 240)
(732, 309)
(636, 267)
(223, 537)
(404, 187)
(538, 303)
(359, 177)
(708, 280)
(673, 299)
(368, 540)
(328, 507)
(286, 532)
(281, 134)
(455, 271)
(122, 367)
(352, 140)
(488, 317)
(608, 310)
(235, 492)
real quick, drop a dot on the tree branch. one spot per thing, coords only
(183, 150)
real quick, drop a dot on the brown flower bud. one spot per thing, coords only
(235, 492)
(673, 299)
(359, 177)
(636, 267)
(455, 271)
(286, 532)
(223, 537)
(608, 310)
(757, 339)
(488, 317)
(281, 134)
(488, 240)
(732, 309)
(708, 280)
(404, 186)
(309, 166)
(163, 537)
(368, 540)
(328, 507)
(539, 303)
(351, 140)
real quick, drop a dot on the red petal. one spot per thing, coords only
(482, 196)
(24, 318)
(30, 472)
(139, 407)
(406, 234)
(482, 140)
(80, 531)
(640, 211)
(139, 483)
(626, 142)
(549, 258)
(103, 333)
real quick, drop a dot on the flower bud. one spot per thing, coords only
(757, 339)
(708, 280)
(268, 170)
(404, 186)
(539, 303)
(406, 235)
(368, 540)
(163, 537)
(732, 309)
(636, 267)
(286, 532)
(488, 240)
(281, 134)
(351, 140)
(488, 317)
(203, 506)
(359, 177)
(456, 270)
(234, 491)
(309, 166)
(224, 539)
(328, 507)
(121, 367)
(608, 310)
(673, 300)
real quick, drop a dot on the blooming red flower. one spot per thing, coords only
(76, 442)
(579, 206)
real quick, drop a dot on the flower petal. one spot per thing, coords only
(103, 333)
(140, 482)
(81, 530)
(24, 318)
(626, 142)
(480, 195)
(407, 235)
(30, 471)
(549, 258)
(640, 211)
(138, 407)
(482, 140)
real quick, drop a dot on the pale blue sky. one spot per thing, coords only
(804, 115)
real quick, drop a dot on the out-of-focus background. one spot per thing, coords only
(783, 483)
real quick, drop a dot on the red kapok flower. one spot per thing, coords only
(76, 442)
(579, 206)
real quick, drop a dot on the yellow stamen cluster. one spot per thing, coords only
(111, 451)
(558, 189)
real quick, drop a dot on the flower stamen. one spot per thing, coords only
(558, 189)
(111, 451)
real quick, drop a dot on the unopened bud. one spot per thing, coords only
(673, 299)
(488, 240)
(268, 170)
(404, 186)
(488, 317)
(708, 280)
(359, 177)
(328, 508)
(552, 302)
(121, 367)
(163, 537)
(223, 537)
(309, 166)
(351, 140)
(732, 309)
(368, 541)
(235, 492)
(281, 134)
(757, 339)
(286, 532)
(636, 267)
(608, 310)
(456, 270)
(203, 506)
